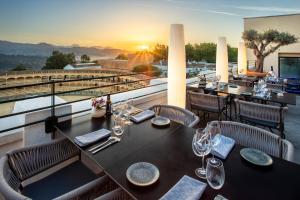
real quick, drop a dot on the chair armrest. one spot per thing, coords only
(5, 189)
(90, 190)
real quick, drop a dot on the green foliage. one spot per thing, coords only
(197, 52)
(265, 43)
(59, 60)
(19, 67)
(122, 56)
(85, 58)
(232, 54)
(147, 69)
(160, 52)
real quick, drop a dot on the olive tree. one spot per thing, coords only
(265, 43)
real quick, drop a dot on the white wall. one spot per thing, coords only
(286, 23)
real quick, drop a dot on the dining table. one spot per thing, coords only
(170, 150)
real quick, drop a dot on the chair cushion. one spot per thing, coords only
(60, 182)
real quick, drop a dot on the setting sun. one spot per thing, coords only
(143, 47)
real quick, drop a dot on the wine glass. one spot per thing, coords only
(215, 173)
(201, 147)
(214, 131)
(128, 110)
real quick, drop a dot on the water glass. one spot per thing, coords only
(201, 147)
(118, 128)
(214, 131)
(215, 173)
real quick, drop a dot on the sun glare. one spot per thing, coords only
(143, 47)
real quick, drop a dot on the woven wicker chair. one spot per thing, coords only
(254, 137)
(275, 86)
(242, 83)
(22, 164)
(208, 103)
(261, 114)
(176, 114)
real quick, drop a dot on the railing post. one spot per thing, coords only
(51, 121)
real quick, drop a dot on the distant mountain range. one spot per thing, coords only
(13, 53)
(45, 49)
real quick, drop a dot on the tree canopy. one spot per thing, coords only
(122, 56)
(85, 58)
(59, 60)
(196, 52)
(19, 67)
(147, 69)
(265, 43)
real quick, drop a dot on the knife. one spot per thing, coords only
(107, 145)
(103, 143)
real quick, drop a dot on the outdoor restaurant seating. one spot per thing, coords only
(176, 114)
(261, 114)
(208, 103)
(21, 174)
(254, 137)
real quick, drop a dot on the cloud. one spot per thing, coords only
(270, 9)
(222, 13)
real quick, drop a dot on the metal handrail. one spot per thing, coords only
(53, 94)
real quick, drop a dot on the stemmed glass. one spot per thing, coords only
(215, 173)
(214, 131)
(201, 147)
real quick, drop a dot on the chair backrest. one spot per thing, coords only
(242, 83)
(176, 114)
(275, 86)
(259, 111)
(254, 137)
(209, 101)
(29, 161)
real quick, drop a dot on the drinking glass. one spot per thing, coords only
(116, 111)
(214, 131)
(215, 173)
(201, 147)
(128, 110)
(118, 128)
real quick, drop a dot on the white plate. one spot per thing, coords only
(160, 121)
(256, 157)
(142, 174)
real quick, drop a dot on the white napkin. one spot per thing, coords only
(142, 116)
(186, 188)
(224, 147)
(92, 137)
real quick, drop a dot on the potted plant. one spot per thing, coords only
(98, 107)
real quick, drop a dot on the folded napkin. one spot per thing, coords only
(92, 137)
(186, 188)
(224, 147)
(142, 116)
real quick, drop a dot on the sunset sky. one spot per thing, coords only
(128, 24)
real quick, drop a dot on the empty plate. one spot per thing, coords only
(256, 157)
(160, 121)
(142, 174)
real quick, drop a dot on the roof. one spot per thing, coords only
(272, 16)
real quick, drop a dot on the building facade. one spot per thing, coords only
(286, 60)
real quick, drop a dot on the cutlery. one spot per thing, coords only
(103, 143)
(115, 140)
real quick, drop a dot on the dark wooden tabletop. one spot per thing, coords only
(287, 98)
(171, 151)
